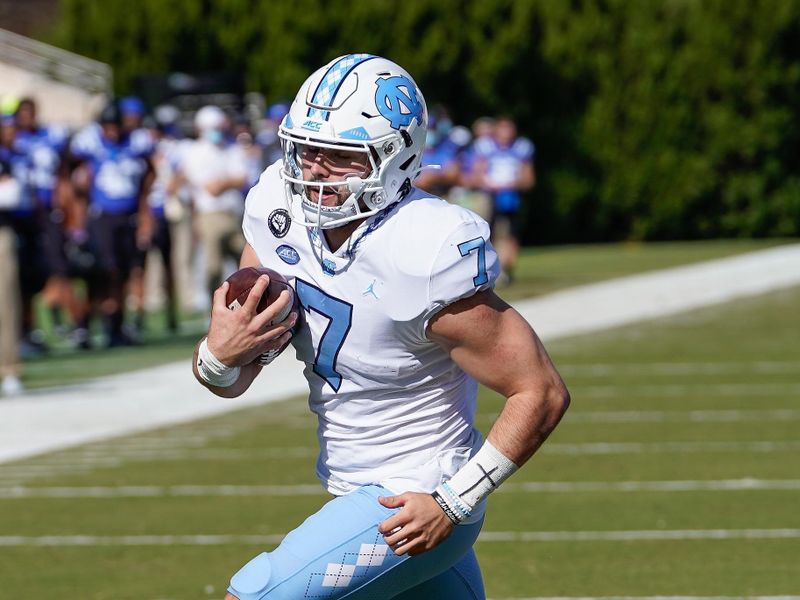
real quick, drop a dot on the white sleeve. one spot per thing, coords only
(248, 222)
(85, 143)
(465, 264)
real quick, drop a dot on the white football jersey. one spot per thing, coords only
(392, 407)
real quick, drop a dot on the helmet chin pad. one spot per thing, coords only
(329, 217)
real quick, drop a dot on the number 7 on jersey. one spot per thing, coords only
(478, 244)
(339, 314)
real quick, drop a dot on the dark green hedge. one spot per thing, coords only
(653, 120)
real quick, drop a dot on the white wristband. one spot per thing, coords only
(475, 481)
(212, 370)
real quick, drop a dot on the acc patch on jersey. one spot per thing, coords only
(279, 222)
(287, 254)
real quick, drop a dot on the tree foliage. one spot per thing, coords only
(652, 119)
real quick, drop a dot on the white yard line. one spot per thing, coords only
(486, 536)
(668, 447)
(702, 390)
(636, 536)
(674, 416)
(681, 368)
(65, 464)
(312, 489)
(652, 598)
(135, 402)
(721, 485)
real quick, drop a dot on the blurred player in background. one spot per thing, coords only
(45, 148)
(27, 225)
(117, 217)
(253, 154)
(440, 156)
(469, 191)
(504, 168)
(161, 200)
(267, 137)
(400, 321)
(10, 367)
(132, 114)
(216, 172)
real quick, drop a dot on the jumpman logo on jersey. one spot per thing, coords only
(371, 290)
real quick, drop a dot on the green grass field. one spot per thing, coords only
(676, 472)
(540, 271)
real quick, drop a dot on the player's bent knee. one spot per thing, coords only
(251, 581)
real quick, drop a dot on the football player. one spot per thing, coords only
(504, 168)
(46, 147)
(399, 324)
(117, 217)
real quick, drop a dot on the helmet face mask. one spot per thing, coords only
(357, 103)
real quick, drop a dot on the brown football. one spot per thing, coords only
(243, 280)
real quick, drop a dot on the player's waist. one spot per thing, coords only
(412, 469)
(377, 423)
(384, 449)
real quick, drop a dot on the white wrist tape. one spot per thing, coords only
(474, 482)
(212, 371)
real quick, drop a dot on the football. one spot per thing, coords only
(240, 284)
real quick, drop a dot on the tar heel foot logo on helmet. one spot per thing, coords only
(397, 101)
(362, 104)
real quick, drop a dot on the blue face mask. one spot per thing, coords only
(213, 135)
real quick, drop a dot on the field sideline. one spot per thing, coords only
(62, 417)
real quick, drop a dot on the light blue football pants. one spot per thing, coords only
(338, 552)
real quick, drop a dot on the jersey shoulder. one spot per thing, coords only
(264, 199)
(86, 142)
(442, 251)
(426, 220)
(141, 143)
(57, 136)
(484, 146)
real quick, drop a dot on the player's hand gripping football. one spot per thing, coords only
(420, 524)
(238, 337)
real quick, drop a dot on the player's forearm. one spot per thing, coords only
(527, 419)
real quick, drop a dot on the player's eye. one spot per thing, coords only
(307, 152)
